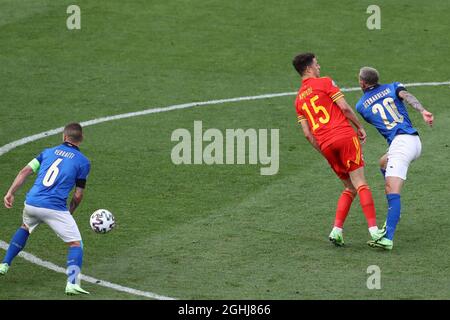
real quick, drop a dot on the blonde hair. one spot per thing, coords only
(369, 75)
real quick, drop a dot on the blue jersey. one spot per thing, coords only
(60, 169)
(382, 107)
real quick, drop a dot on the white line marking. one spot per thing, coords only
(35, 260)
(10, 146)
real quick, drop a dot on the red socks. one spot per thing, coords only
(343, 207)
(367, 205)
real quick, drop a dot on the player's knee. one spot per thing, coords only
(351, 190)
(357, 178)
(74, 244)
(359, 183)
(25, 227)
(391, 187)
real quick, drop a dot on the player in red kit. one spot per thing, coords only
(324, 116)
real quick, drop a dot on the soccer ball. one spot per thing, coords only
(102, 221)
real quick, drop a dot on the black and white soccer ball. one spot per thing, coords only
(102, 221)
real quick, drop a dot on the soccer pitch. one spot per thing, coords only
(221, 231)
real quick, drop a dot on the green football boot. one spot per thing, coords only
(383, 243)
(74, 289)
(4, 268)
(377, 235)
(336, 238)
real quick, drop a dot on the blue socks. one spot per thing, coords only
(393, 215)
(16, 245)
(74, 257)
(74, 263)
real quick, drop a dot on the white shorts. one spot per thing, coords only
(61, 222)
(404, 149)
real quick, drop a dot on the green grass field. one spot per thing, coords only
(221, 231)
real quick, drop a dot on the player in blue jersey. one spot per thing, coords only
(59, 170)
(382, 105)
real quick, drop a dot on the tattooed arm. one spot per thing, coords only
(413, 102)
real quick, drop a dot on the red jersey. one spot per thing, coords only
(315, 103)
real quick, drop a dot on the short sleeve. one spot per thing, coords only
(84, 171)
(333, 90)
(35, 164)
(40, 157)
(359, 107)
(300, 115)
(398, 86)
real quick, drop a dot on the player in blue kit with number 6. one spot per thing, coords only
(59, 170)
(382, 106)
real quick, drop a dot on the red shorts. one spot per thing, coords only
(344, 156)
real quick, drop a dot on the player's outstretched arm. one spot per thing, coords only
(18, 182)
(348, 112)
(76, 199)
(308, 135)
(415, 103)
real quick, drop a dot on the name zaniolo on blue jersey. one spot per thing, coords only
(382, 107)
(60, 169)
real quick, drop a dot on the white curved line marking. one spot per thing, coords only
(10, 146)
(46, 264)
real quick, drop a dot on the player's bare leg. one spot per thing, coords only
(366, 200)
(343, 207)
(394, 185)
(16, 245)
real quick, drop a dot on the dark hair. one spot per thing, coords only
(74, 132)
(302, 61)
